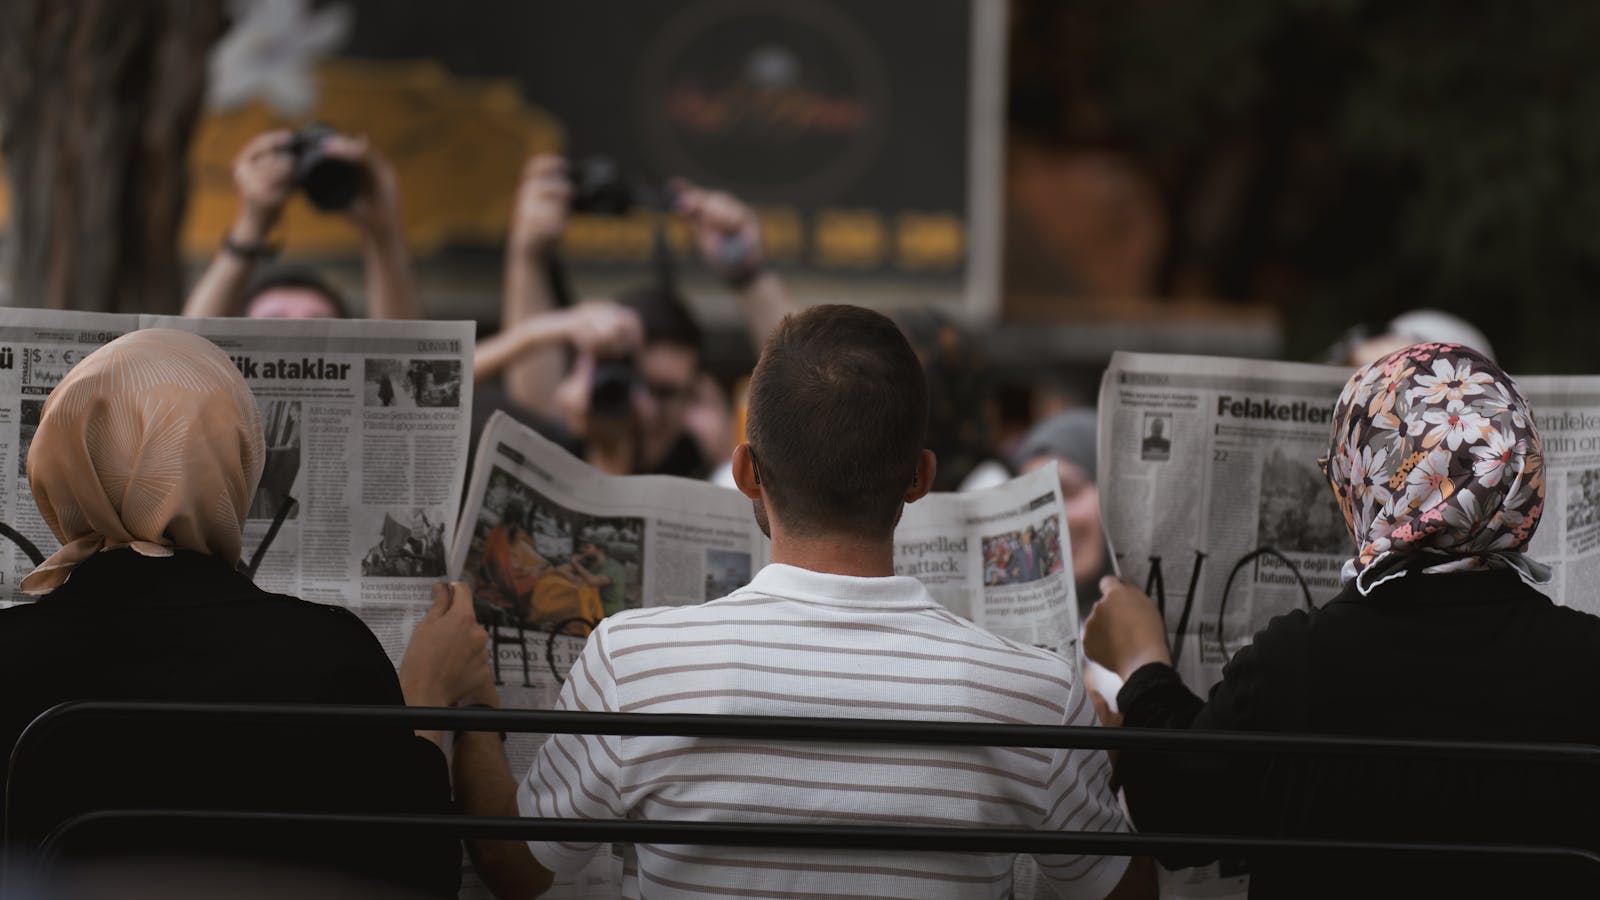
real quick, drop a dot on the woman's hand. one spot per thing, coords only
(1124, 631)
(447, 660)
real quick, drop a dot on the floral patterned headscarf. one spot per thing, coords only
(1437, 466)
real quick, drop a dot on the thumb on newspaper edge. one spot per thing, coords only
(460, 599)
(441, 600)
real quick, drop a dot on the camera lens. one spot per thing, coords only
(611, 394)
(600, 187)
(330, 184)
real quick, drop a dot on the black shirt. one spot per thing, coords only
(1464, 656)
(189, 627)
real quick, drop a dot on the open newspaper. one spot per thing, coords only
(1214, 501)
(366, 427)
(536, 521)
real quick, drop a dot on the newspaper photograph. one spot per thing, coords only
(1214, 502)
(357, 498)
(999, 557)
(550, 547)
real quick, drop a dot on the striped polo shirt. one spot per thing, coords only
(801, 643)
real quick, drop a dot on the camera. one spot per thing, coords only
(611, 393)
(331, 184)
(600, 186)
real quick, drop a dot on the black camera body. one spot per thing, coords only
(611, 392)
(330, 184)
(600, 186)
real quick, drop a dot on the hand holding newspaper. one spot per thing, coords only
(551, 546)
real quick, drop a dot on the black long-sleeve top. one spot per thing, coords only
(190, 628)
(1472, 655)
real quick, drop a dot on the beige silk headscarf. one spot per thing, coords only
(152, 442)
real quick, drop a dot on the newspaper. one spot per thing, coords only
(366, 427)
(1212, 497)
(536, 519)
(1567, 412)
(1214, 501)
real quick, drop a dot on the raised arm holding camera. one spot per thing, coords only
(628, 404)
(339, 173)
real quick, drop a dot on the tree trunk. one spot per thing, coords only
(98, 102)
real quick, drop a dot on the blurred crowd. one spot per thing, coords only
(622, 381)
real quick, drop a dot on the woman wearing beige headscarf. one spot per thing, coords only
(152, 443)
(145, 461)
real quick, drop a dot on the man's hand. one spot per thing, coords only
(726, 231)
(263, 174)
(376, 207)
(447, 661)
(603, 328)
(1124, 631)
(544, 198)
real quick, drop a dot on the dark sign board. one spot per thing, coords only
(866, 133)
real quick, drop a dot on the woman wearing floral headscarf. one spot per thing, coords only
(1440, 632)
(144, 464)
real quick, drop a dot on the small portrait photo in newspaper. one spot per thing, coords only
(1156, 446)
(412, 384)
(535, 563)
(409, 544)
(1018, 557)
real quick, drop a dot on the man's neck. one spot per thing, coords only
(835, 554)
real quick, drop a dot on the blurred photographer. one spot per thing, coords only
(629, 399)
(340, 174)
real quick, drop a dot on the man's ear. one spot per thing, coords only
(927, 467)
(744, 472)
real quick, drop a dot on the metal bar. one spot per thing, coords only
(857, 731)
(835, 837)
(791, 729)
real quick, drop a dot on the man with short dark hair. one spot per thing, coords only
(837, 423)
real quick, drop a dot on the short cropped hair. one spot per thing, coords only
(296, 277)
(838, 418)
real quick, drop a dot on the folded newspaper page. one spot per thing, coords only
(1212, 497)
(550, 546)
(366, 426)
(1214, 502)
